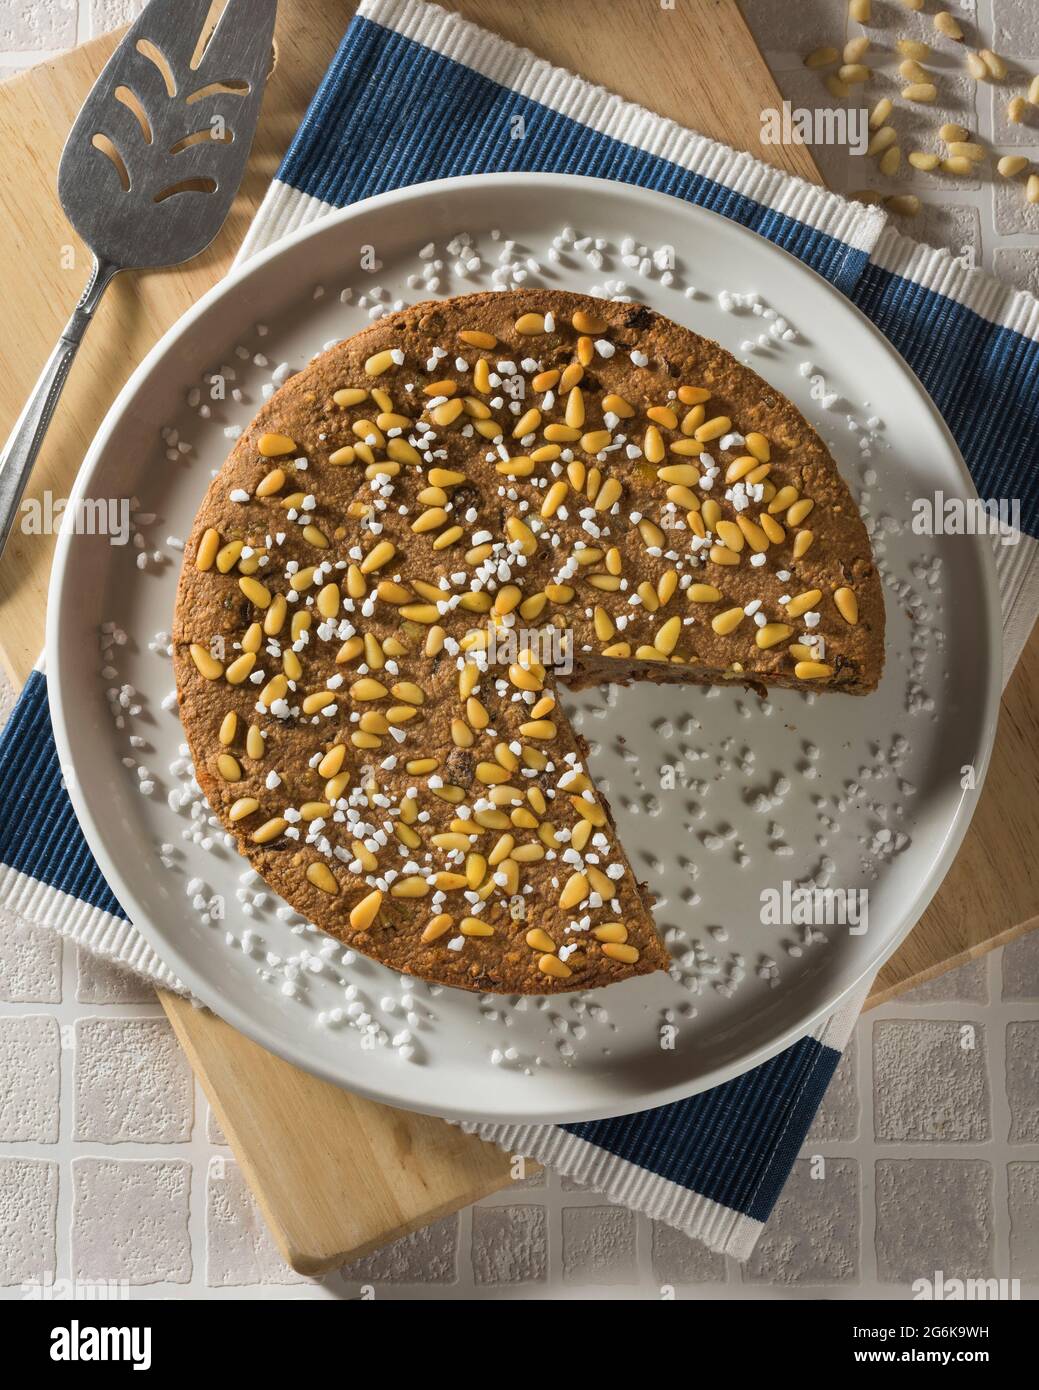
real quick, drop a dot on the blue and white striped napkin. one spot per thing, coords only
(712, 1165)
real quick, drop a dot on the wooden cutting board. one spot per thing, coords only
(336, 1176)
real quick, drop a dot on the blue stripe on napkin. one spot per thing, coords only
(360, 138)
(39, 834)
(734, 1144)
(983, 378)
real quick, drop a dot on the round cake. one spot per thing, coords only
(419, 539)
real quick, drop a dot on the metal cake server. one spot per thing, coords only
(150, 169)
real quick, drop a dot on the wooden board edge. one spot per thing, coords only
(186, 1019)
(315, 1265)
(891, 993)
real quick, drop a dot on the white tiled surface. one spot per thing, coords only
(985, 220)
(925, 1155)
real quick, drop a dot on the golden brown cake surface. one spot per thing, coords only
(426, 530)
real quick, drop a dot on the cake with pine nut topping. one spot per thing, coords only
(419, 539)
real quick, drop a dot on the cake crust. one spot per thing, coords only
(406, 527)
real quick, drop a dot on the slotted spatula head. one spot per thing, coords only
(151, 167)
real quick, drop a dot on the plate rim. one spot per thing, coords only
(62, 697)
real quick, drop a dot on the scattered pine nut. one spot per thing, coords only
(911, 48)
(1011, 165)
(228, 767)
(869, 196)
(1033, 90)
(380, 362)
(890, 161)
(271, 829)
(950, 132)
(728, 621)
(1016, 110)
(475, 337)
(923, 159)
(913, 4)
(947, 25)
(976, 153)
(1032, 188)
(885, 137)
(588, 323)
(836, 87)
(911, 70)
(437, 926)
(207, 549)
(363, 914)
(958, 166)
(628, 954)
(812, 671)
(861, 11)
(274, 445)
(821, 58)
(920, 92)
(881, 112)
(995, 64)
(977, 67)
(206, 664)
(854, 72)
(847, 604)
(321, 876)
(552, 965)
(803, 543)
(539, 940)
(856, 49)
(272, 483)
(904, 204)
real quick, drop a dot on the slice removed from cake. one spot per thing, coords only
(427, 531)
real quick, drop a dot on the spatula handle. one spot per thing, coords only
(23, 445)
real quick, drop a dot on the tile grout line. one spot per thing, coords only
(1000, 1108)
(868, 1271)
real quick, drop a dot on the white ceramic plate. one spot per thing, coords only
(718, 796)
